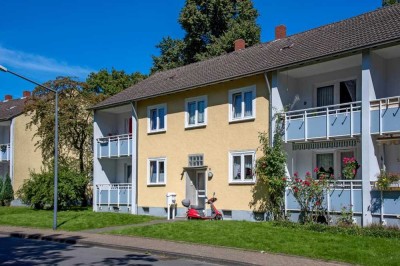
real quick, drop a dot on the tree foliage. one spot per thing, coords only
(211, 27)
(389, 2)
(38, 191)
(112, 82)
(75, 122)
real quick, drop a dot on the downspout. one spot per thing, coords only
(135, 137)
(270, 137)
(11, 152)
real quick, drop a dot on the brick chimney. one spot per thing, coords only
(26, 94)
(240, 44)
(280, 32)
(7, 97)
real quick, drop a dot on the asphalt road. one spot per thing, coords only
(16, 251)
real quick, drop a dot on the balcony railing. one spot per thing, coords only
(4, 152)
(385, 115)
(113, 196)
(323, 122)
(114, 146)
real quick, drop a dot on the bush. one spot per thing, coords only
(7, 194)
(1, 191)
(38, 191)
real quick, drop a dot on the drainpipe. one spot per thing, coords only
(270, 132)
(134, 158)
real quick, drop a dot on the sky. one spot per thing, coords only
(44, 39)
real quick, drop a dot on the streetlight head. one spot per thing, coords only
(3, 69)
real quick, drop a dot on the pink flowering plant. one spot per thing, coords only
(350, 167)
(309, 193)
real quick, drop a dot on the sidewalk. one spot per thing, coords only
(229, 256)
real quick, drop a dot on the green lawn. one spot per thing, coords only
(364, 250)
(72, 220)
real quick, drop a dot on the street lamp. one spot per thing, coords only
(2, 68)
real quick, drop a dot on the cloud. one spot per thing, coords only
(21, 60)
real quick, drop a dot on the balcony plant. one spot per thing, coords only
(385, 179)
(350, 167)
(3, 148)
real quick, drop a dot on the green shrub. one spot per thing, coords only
(1, 191)
(38, 191)
(7, 191)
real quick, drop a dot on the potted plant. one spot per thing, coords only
(350, 167)
(385, 180)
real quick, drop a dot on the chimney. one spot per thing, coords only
(280, 32)
(26, 94)
(7, 97)
(240, 44)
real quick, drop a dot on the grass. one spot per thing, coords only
(71, 220)
(364, 250)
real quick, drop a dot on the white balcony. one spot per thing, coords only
(323, 122)
(4, 152)
(114, 146)
(114, 197)
(385, 115)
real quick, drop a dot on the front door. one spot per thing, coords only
(201, 189)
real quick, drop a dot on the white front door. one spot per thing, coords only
(201, 188)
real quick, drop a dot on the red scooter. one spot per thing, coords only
(195, 212)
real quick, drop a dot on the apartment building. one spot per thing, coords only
(193, 130)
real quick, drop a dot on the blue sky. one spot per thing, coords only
(43, 39)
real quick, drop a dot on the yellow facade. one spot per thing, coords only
(214, 141)
(26, 156)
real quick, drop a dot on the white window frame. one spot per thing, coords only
(157, 107)
(157, 160)
(230, 169)
(196, 99)
(251, 88)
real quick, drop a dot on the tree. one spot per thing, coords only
(75, 122)
(7, 194)
(389, 2)
(113, 82)
(211, 28)
(171, 54)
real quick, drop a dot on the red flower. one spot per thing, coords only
(308, 173)
(284, 178)
(316, 169)
(296, 174)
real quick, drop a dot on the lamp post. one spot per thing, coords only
(2, 68)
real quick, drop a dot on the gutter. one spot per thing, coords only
(270, 138)
(257, 72)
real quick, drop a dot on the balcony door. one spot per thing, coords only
(347, 91)
(128, 173)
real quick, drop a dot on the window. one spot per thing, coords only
(242, 103)
(195, 160)
(156, 118)
(196, 111)
(325, 163)
(347, 91)
(157, 171)
(325, 96)
(241, 167)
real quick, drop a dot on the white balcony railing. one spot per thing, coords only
(4, 152)
(114, 196)
(385, 115)
(114, 146)
(323, 122)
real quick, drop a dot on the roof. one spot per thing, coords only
(366, 30)
(11, 108)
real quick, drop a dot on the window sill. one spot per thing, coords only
(156, 184)
(195, 126)
(252, 182)
(156, 132)
(238, 120)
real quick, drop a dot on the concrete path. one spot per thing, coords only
(212, 254)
